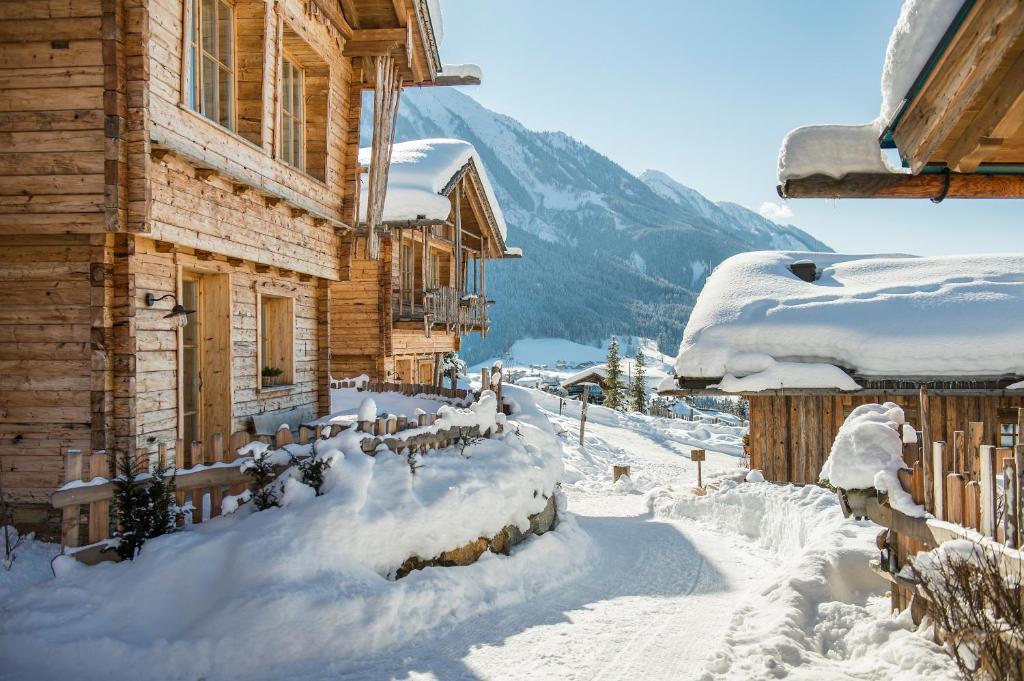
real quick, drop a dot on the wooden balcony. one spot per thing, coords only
(447, 306)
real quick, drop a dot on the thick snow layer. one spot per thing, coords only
(462, 71)
(244, 595)
(878, 315)
(832, 150)
(867, 442)
(815, 610)
(419, 171)
(836, 150)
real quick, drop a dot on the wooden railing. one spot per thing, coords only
(442, 304)
(408, 389)
(473, 313)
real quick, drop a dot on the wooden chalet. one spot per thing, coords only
(806, 350)
(958, 128)
(399, 313)
(180, 215)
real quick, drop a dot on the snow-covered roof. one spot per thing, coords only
(420, 171)
(836, 150)
(758, 326)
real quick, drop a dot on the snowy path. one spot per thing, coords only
(657, 599)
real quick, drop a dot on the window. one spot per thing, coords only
(211, 61)
(277, 338)
(293, 122)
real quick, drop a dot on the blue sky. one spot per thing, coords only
(705, 91)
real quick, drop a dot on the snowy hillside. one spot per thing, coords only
(607, 252)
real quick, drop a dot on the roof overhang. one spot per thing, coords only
(960, 129)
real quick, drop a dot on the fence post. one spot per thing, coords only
(99, 511)
(496, 372)
(988, 490)
(583, 411)
(71, 515)
(926, 448)
(938, 479)
(485, 379)
(699, 456)
(1011, 516)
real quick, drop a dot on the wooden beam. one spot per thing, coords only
(349, 11)
(968, 63)
(898, 186)
(1000, 116)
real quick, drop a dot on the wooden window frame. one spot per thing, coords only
(288, 58)
(193, 55)
(288, 368)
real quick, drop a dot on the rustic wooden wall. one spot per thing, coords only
(52, 117)
(791, 435)
(157, 362)
(45, 364)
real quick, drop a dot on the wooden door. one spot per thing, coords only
(205, 403)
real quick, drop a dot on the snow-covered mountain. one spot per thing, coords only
(606, 252)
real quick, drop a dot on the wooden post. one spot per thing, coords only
(972, 505)
(699, 456)
(496, 370)
(71, 515)
(959, 455)
(197, 452)
(1011, 516)
(99, 511)
(954, 502)
(485, 379)
(618, 472)
(583, 410)
(988, 490)
(938, 479)
(975, 434)
(926, 448)
(216, 456)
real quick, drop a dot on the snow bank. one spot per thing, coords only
(419, 171)
(877, 315)
(819, 612)
(254, 594)
(836, 150)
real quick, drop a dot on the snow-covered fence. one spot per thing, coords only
(205, 472)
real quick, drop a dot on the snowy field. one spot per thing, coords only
(642, 580)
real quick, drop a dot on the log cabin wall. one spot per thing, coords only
(791, 435)
(46, 359)
(242, 396)
(358, 330)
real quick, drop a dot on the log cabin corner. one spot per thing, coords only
(180, 214)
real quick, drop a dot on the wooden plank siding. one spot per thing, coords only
(791, 435)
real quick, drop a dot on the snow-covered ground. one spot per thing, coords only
(643, 580)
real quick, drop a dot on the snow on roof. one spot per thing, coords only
(760, 327)
(420, 170)
(836, 150)
(436, 20)
(462, 71)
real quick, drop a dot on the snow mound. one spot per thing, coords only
(867, 442)
(419, 171)
(258, 595)
(819, 613)
(877, 315)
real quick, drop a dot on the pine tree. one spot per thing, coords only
(638, 390)
(613, 383)
(131, 505)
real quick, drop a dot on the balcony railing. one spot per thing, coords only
(447, 306)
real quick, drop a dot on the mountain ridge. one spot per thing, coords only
(605, 251)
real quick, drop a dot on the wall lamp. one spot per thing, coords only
(178, 313)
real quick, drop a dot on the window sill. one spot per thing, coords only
(276, 388)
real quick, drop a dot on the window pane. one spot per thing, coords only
(226, 92)
(208, 22)
(209, 88)
(225, 47)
